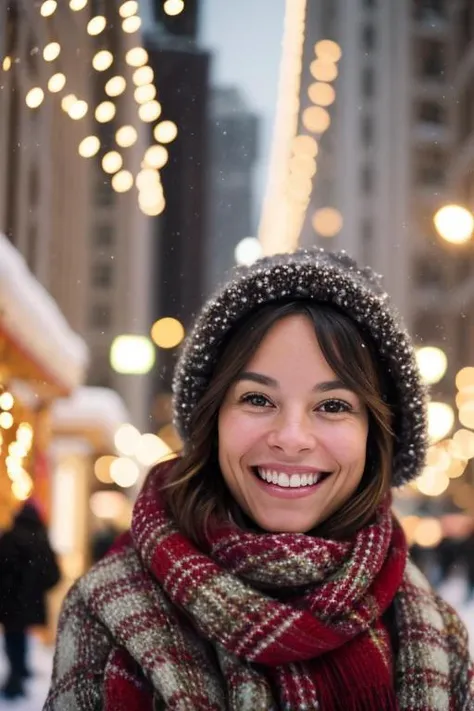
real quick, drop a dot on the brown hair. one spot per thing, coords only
(195, 491)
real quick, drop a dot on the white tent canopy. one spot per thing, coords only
(31, 317)
(91, 408)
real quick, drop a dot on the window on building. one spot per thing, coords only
(367, 130)
(105, 194)
(33, 184)
(368, 82)
(100, 316)
(367, 178)
(466, 113)
(431, 112)
(369, 4)
(104, 235)
(430, 166)
(432, 58)
(367, 238)
(102, 275)
(430, 10)
(368, 38)
(428, 271)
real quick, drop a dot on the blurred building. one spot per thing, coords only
(383, 160)
(182, 72)
(461, 168)
(76, 219)
(233, 135)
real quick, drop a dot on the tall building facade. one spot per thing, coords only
(233, 151)
(383, 161)
(179, 243)
(64, 79)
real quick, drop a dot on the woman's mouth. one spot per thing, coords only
(290, 480)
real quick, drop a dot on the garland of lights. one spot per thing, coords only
(293, 163)
(148, 181)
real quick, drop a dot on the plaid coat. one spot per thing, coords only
(117, 651)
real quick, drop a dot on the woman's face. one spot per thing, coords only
(292, 437)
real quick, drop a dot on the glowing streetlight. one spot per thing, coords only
(432, 364)
(454, 223)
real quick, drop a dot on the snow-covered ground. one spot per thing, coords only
(41, 657)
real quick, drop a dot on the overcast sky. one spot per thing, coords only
(245, 37)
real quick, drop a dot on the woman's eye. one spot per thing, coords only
(256, 400)
(334, 407)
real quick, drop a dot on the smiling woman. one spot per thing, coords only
(264, 568)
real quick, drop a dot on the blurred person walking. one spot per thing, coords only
(28, 569)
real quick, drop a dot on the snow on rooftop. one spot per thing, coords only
(99, 408)
(31, 316)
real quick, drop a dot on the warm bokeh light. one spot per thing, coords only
(6, 420)
(432, 364)
(48, 8)
(432, 482)
(147, 178)
(464, 443)
(321, 93)
(124, 472)
(316, 119)
(89, 146)
(126, 136)
(77, 5)
(156, 157)
(322, 70)
(51, 51)
(248, 250)
(465, 378)
(102, 60)
(165, 131)
(22, 487)
(173, 7)
(328, 50)
(7, 63)
(466, 415)
(143, 75)
(303, 165)
(105, 111)
(428, 533)
(34, 97)
(78, 110)
(6, 401)
(134, 355)
(102, 469)
(56, 83)
(136, 57)
(305, 145)
(108, 505)
(327, 221)
(131, 24)
(454, 223)
(150, 111)
(68, 101)
(122, 181)
(128, 8)
(144, 93)
(96, 25)
(112, 162)
(126, 439)
(440, 420)
(167, 332)
(151, 449)
(115, 86)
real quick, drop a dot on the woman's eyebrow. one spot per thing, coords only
(324, 387)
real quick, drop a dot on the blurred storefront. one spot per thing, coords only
(85, 501)
(41, 359)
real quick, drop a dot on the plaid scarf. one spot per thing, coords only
(261, 622)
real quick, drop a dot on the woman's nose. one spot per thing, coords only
(292, 433)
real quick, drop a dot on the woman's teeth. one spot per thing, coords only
(293, 481)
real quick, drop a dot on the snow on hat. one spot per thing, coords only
(319, 276)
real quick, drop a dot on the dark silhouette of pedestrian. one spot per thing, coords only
(28, 568)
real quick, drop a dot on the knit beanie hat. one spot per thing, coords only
(319, 276)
